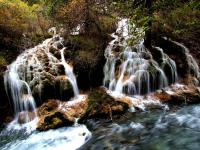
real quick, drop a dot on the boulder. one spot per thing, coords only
(102, 105)
(54, 120)
(50, 117)
(54, 113)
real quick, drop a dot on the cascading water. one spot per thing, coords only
(193, 65)
(20, 90)
(29, 67)
(31, 70)
(69, 73)
(133, 70)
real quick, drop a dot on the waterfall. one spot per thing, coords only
(28, 70)
(193, 65)
(132, 69)
(69, 73)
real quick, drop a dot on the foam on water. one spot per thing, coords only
(69, 138)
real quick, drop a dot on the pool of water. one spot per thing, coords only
(158, 129)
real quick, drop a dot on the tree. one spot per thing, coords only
(82, 13)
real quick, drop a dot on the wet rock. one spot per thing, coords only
(54, 113)
(117, 49)
(54, 120)
(61, 69)
(102, 105)
(59, 45)
(68, 54)
(178, 54)
(57, 55)
(63, 88)
(52, 49)
(51, 117)
(98, 104)
(185, 94)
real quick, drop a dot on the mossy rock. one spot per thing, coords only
(102, 105)
(54, 120)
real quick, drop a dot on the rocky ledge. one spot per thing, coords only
(179, 94)
(97, 104)
(101, 103)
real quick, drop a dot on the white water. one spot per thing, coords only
(133, 70)
(69, 73)
(69, 138)
(193, 65)
(29, 68)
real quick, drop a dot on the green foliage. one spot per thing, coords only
(52, 6)
(97, 98)
(21, 24)
(17, 15)
(85, 42)
(2, 60)
(182, 20)
(174, 18)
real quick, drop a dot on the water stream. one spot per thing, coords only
(178, 129)
(133, 69)
(29, 67)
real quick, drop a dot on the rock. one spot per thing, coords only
(48, 107)
(54, 120)
(64, 90)
(117, 49)
(98, 104)
(54, 113)
(51, 117)
(57, 55)
(177, 53)
(102, 105)
(88, 66)
(185, 94)
(52, 49)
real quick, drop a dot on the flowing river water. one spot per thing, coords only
(177, 128)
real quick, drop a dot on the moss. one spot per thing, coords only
(2, 59)
(56, 122)
(107, 23)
